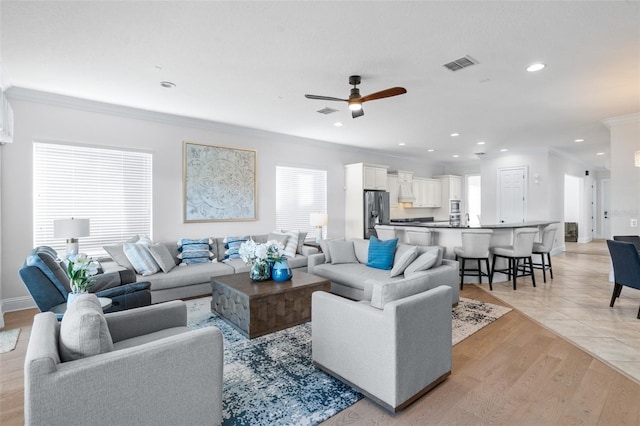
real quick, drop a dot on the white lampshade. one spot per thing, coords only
(318, 219)
(71, 230)
(637, 159)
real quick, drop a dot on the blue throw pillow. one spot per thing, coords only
(381, 253)
(195, 251)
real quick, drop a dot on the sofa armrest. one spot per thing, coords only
(148, 380)
(123, 289)
(308, 251)
(112, 279)
(148, 319)
(313, 260)
(452, 263)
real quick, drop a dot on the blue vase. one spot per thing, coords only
(281, 270)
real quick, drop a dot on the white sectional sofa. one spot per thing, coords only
(195, 280)
(352, 278)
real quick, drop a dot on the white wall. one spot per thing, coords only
(572, 193)
(48, 117)
(625, 177)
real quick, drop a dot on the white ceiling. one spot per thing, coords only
(250, 64)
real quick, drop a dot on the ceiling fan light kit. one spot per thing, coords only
(355, 100)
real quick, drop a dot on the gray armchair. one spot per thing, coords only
(393, 350)
(150, 368)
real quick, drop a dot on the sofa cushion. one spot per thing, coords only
(352, 275)
(401, 262)
(381, 253)
(141, 258)
(83, 330)
(162, 256)
(185, 275)
(425, 261)
(361, 247)
(385, 292)
(342, 252)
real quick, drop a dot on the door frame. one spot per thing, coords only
(525, 190)
(602, 207)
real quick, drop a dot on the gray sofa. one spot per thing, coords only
(195, 279)
(357, 281)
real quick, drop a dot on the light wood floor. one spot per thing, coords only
(513, 372)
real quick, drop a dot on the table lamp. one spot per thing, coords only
(318, 220)
(71, 229)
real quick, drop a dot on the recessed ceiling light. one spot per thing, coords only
(167, 84)
(600, 153)
(402, 144)
(579, 140)
(455, 156)
(455, 134)
(504, 150)
(481, 143)
(535, 67)
(337, 124)
(430, 150)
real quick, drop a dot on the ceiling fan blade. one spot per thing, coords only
(357, 113)
(394, 91)
(324, 98)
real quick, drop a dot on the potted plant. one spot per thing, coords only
(80, 268)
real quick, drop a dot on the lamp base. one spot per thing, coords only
(72, 247)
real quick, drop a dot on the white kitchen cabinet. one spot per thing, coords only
(451, 188)
(420, 193)
(375, 177)
(434, 193)
(392, 187)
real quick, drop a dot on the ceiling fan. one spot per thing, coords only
(355, 100)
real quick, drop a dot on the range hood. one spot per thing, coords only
(405, 193)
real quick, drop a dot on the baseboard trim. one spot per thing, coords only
(17, 304)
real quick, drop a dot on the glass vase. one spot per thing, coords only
(280, 271)
(260, 271)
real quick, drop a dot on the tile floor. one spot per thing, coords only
(575, 304)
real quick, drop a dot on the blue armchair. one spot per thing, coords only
(48, 284)
(626, 267)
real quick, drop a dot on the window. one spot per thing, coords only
(299, 192)
(110, 187)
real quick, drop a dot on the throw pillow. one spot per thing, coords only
(83, 330)
(279, 237)
(381, 253)
(232, 247)
(162, 256)
(422, 263)
(342, 252)
(301, 237)
(403, 261)
(292, 242)
(116, 252)
(324, 246)
(195, 251)
(141, 258)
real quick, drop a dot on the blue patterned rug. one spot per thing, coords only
(270, 380)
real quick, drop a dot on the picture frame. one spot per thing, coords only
(219, 183)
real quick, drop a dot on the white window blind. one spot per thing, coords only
(110, 187)
(299, 192)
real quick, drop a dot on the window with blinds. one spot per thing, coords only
(110, 187)
(299, 192)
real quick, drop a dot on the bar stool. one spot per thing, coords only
(520, 250)
(543, 248)
(475, 246)
(419, 237)
(385, 232)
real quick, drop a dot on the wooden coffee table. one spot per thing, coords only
(259, 308)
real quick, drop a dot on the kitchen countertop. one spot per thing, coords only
(445, 225)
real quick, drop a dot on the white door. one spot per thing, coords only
(511, 194)
(605, 222)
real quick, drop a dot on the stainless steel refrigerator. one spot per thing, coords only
(376, 211)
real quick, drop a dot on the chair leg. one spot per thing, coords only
(638, 317)
(493, 268)
(462, 274)
(616, 292)
(544, 269)
(515, 263)
(533, 276)
(549, 262)
(489, 274)
(479, 271)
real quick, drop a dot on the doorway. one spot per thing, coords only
(604, 213)
(512, 184)
(473, 193)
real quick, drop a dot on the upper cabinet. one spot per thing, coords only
(375, 177)
(427, 193)
(451, 188)
(392, 187)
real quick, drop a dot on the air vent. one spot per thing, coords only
(327, 111)
(458, 64)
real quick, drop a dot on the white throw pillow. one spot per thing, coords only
(342, 252)
(405, 260)
(292, 242)
(422, 263)
(83, 330)
(141, 258)
(162, 256)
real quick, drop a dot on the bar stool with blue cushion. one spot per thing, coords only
(543, 248)
(475, 246)
(520, 250)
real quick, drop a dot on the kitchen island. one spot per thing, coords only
(447, 236)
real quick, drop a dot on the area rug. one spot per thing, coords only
(8, 340)
(271, 379)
